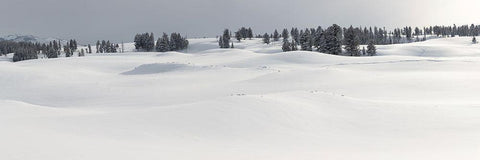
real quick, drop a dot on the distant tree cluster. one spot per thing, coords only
(105, 47)
(224, 41)
(146, 42)
(174, 43)
(332, 39)
(70, 48)
(244, 33)
(28, 50)
(25, 51)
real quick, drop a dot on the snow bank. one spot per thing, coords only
(414, 101)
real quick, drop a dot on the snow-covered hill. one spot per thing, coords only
(412, 102)
(29, 38)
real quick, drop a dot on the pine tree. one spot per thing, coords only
(98, 47)
(225, 39)
(285, 35)
(81, 53)
(276, 36)
(89, 49)
(294, 45)
(266, 38)
(306, 41)
(317, 37)
(220, 42)
(333, 40)
(371, 49)
(286, 46)
(150, 43)
(351, 42)
(163, 44)
(238, 36)
(474, 40)
(249, 33)
(295, 35)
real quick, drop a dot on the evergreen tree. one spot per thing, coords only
(294, 45)
(238, 36)
(285, 35)
(98, 47)
(371, 49)
(266, 38)
(474, 40)
(306, 41)
(333, 40)
(295, 35)
(225, 39)
(317, 37)
(89, 49)
(81, 53)
(163, 44)
(351, 42)
(249, 33)
(286, 46)
(276, 36)
(150, 43)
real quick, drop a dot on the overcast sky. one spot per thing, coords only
(120, 20)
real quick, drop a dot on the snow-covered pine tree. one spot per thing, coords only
(333, 40)
(249, 33)
(266, 38)
(226, 39)
(89, 49)
(316, 37)
(98, 45)
(150, 45)
(285, 35)
(163, 44)
(81, 53)
(276, 36)
(220, 42)
(351, 42)
(306, 40)
(174, 45)
(294, 45)
(286, 46)
(371, 49)
(295, 35)
(238, 36)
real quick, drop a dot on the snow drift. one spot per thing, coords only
(413, 101)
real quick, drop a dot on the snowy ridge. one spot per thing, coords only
(414, 101)
(29, 38)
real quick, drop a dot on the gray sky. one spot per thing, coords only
(117, 20)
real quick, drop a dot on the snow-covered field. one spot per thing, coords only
(416, 101)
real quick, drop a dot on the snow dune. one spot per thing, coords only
(413, 101)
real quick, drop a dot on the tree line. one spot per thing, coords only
(146, 42)
(29, 50)
(335, 39)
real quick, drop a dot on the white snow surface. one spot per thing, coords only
(416, 101)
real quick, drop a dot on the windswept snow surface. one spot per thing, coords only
(416, 101)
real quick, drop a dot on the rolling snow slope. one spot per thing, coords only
(413, 101)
